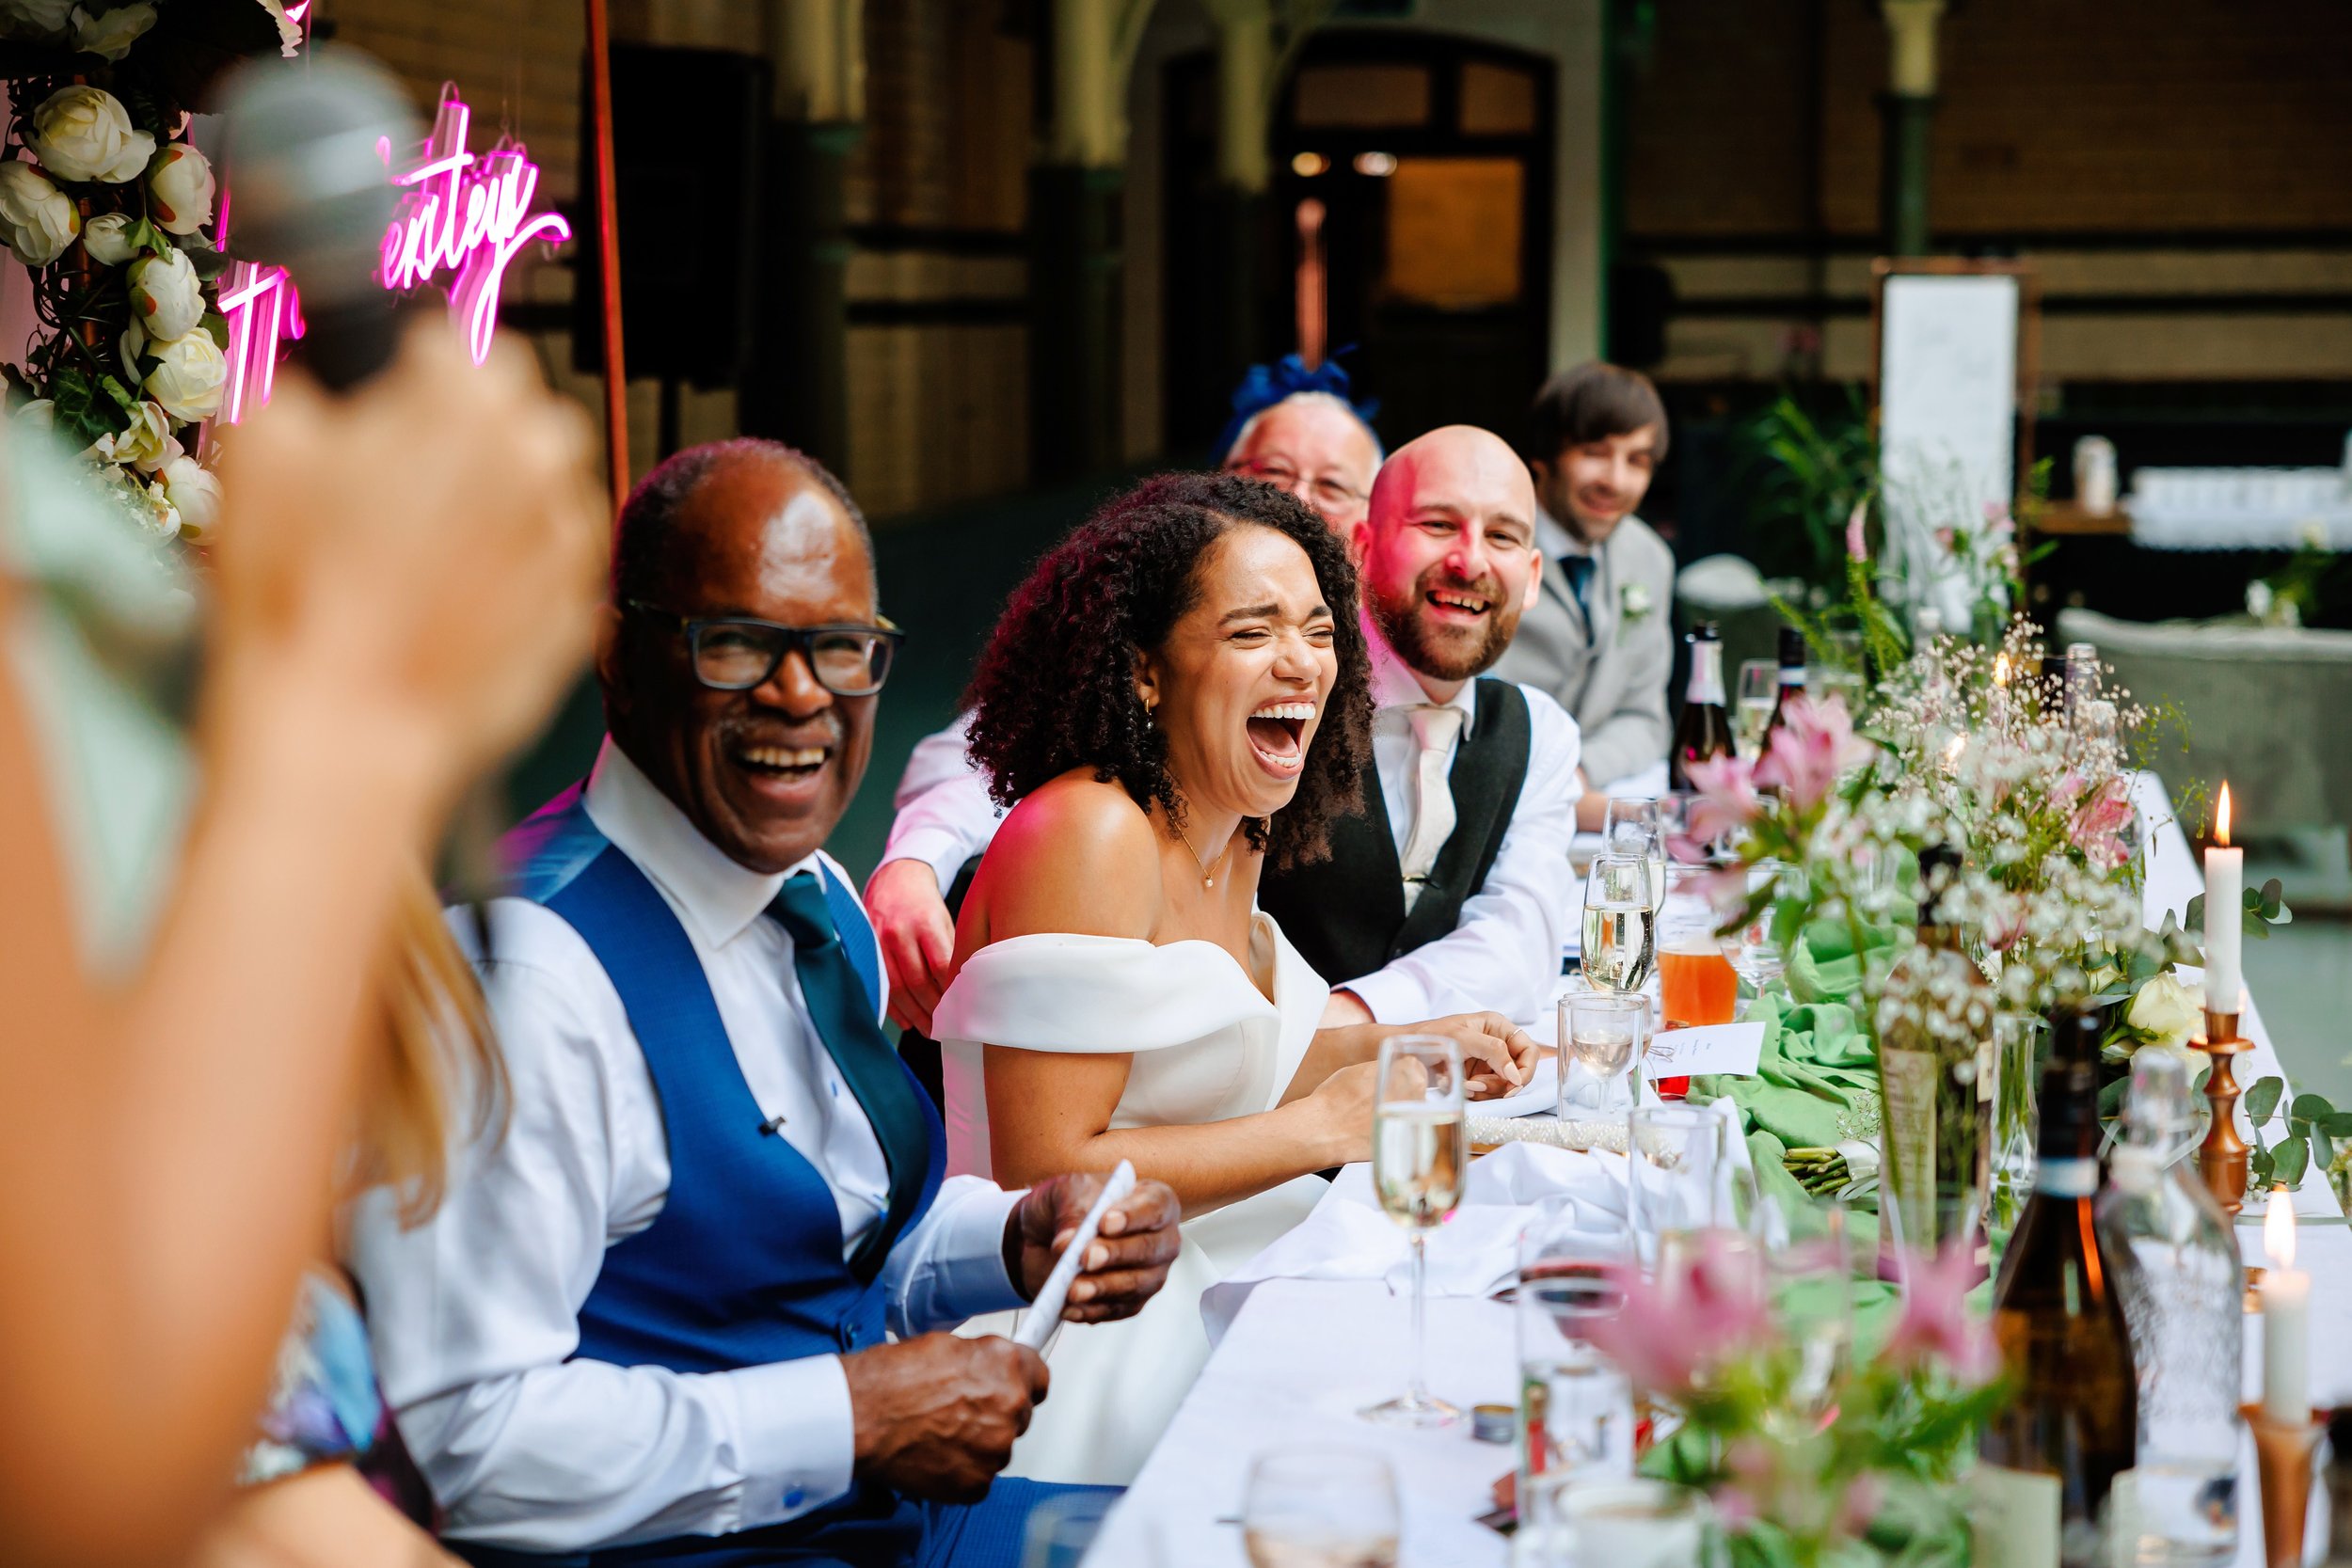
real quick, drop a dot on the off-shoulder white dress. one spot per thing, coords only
(1207, 1046)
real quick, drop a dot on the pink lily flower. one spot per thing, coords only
(1808, 754)
(1936, 1325)
(1709, 1306)
(1727, 800)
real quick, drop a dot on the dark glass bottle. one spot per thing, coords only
(1704, 731)
(2051, 1457)
(1791, 679)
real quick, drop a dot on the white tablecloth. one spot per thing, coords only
(1302, 1356)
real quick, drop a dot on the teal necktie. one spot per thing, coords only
(1579, 570)
(838, 1004)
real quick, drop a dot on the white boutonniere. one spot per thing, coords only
(1632, 602)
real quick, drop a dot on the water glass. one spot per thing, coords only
(1602, 1031)
(1321, 1507)
(1677, 1177)
(1620, 922)
(1812, 1286)
(1576, 1410)
(1420, 1155)
(1062, 1528)
(1622, 1524)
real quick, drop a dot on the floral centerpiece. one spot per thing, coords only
(1811, 1456)
(114, 212)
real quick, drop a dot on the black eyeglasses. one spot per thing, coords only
(737, 653)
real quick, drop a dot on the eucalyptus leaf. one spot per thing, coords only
(2338, 1125)
(2193, 918)
(2295, 1157)
(2310, 1107)
(2258, 1164)
(2263, 1099)
(2322, 1149)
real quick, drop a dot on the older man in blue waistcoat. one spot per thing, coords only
(685, 1310)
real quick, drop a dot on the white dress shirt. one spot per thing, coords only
(474, 1313)
(1504, 953)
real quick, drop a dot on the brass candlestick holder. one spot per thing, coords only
(2282, 1457)
(2222, 1158)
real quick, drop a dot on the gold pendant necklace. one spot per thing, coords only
(1208, 868)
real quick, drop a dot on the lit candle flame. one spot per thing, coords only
(2221, 817)
(2278, 1229)
(2000, 670)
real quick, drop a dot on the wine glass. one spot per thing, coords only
(1620, 922)
(1636, 826)
(1576, 1409)
(1601, 1031)
(1759, 693)
(1419, 1155)
(1063, 1528)
(1321, 1507)
(1676, 1169)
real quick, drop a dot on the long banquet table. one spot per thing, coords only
(1302, 1356)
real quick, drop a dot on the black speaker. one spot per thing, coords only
(690, 137)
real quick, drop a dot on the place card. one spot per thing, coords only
(1719, 1047)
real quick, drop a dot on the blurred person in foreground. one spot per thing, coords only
(654, 1320)
(1599, 638)
(194, 924)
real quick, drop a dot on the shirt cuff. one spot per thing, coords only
(967, 1273)
(1390, 997)
(797, 1437)
(943, 850)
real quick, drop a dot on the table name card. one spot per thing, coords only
(1719, 1047)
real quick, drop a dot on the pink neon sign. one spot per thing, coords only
(462, 217)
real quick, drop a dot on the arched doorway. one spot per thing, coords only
(1432, 156)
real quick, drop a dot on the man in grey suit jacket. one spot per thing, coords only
(1599, 638)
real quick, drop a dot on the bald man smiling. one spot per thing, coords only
(1451, 892)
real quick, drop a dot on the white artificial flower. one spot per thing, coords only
(2168, 1009)
(145, 445)
(108, 238)
(166, 294)
(40, 414)
(36, 220)
(288, 34)
(1633, 601)
(195, 492)
(44, 19)
(190, 377)
(111, 33)
(134, 344)
(83, 132)
(180, 189)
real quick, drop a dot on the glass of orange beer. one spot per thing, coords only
(1696, 983)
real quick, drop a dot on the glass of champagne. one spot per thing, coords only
(1620, 922)
(1420, 1155)
(1602, 1031)
(1759, 691)
(1320, 1508)
(1636, 825)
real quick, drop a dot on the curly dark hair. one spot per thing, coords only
(1056, 688)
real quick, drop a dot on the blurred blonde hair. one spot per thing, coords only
(439, 1081)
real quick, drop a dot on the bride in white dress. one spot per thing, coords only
(1178, 692)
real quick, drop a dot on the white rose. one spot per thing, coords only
(195, 492)
(36, 18)
(180, 189)
(166, 294)
(111, 33)
(36, 220)
(146, 445)
(83, 132)
(2168, 1009)
(189, 377)
(134, 344)
(108, 238)
(289, 33)
(41, 414)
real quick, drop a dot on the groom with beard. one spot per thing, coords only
(1450, 893)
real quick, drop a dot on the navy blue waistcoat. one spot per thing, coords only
(744, 1264)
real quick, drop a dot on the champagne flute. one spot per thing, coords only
(1636, 825)
(1620, 922)
(1419, 1155)
(1325, 1508)
(1759, 693)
